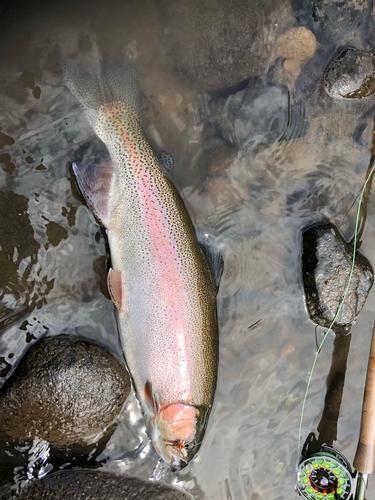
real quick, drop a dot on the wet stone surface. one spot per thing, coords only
(91, 485)
(351, 75)
(65, 391)
(326, 265)
(341, 22)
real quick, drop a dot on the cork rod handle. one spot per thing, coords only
(364, 457)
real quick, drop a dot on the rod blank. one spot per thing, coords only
(364, 457)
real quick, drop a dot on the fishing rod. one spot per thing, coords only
(327, 474)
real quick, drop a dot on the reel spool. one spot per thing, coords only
(326, 475)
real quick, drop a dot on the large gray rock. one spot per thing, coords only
(215, 43)
(95, 485)
(341, 21)
(326, 264)
(64, 391)
(351, 75)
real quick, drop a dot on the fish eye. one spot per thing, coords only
(190, 445)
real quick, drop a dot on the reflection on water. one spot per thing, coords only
(327, 426)
(252, 183)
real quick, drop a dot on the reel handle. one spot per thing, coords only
(364, 457)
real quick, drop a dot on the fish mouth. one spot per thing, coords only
(176, 454)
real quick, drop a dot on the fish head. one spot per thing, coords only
(173, 433)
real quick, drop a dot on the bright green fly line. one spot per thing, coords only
(338, 310)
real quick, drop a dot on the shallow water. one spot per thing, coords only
(254, 199)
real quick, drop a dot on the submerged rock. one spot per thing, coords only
(297, 43)
(217, 44)
(65, 392)
(255, 115)
(94, 485)
(293, 49)
(326, 265)
(351, 75)
(262, 113)
(342, 21)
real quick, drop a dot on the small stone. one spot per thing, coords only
(92, 485)
(64, 391)
(37, 92)
(326, 265)
(298, 44)
(351, 75)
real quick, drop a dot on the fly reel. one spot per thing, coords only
(326, 474)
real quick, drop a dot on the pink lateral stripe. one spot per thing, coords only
(165, 258)
(166, 261)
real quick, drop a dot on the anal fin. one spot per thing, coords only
(152, 399)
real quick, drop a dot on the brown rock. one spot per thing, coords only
(64, 391)
(94, 485)
(297, 43)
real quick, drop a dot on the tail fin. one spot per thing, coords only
(95, 83)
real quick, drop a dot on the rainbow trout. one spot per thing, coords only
(163, 282)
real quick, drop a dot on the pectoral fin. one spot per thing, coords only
(114, 282)
(94, 181)
(213, 257)
(167, 162)
(152, 399)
